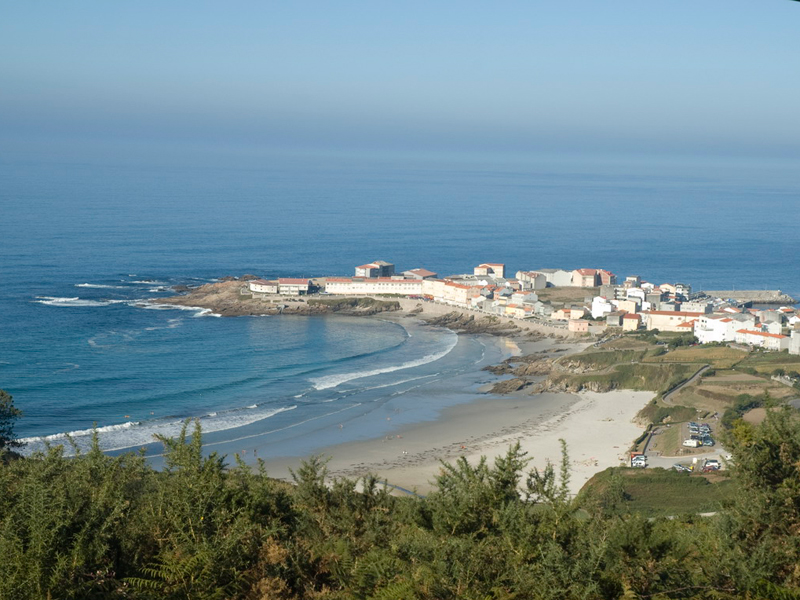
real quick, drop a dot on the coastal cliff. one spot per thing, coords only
(225, 298)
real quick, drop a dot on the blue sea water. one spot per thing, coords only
(87, 240)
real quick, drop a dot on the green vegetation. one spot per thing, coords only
(337, 304)
(720, 357)
(657, 492)
(765, 363)
(656, 412)
(8, 417)
(638, 376)
(100, 527)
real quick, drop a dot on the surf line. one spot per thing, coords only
(255, 435)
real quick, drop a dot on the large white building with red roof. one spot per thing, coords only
(763, 339)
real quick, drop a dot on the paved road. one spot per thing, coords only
(668, 395)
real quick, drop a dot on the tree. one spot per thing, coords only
(8, 416)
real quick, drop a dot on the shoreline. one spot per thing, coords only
(597, 427)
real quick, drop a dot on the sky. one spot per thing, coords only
(637, 76)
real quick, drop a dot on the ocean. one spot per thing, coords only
(88, 240)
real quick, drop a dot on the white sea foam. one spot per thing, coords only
(76, 302)
(330, 381)
(149, 282)
(138, 433)
(201, 312)
(100, 286)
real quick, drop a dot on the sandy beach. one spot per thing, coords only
(598, 429)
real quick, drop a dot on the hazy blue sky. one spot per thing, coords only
(688, 76)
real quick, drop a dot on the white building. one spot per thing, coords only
(794, 342)
(374, 285)
(557, 277)
(419, 274)
(669, 320)
(715, 328)
(262, 286)
(763, 339)
(699, 306)
(293, 287)
(601, 307)
(378, 268)
(531, 280)
(494, 269)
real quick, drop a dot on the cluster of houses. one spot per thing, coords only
(631, 304)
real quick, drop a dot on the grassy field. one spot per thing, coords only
(638, 376)
(767, 362)
(717, 393)
(628, 342)
(602, 359)
(719, 357)
(566, 295)
(658, 492)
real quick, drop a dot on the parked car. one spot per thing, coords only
(681, 468)
(691, 443)
(714, 464)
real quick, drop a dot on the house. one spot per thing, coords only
(578, 326)
(374, 285)
(600, 307)
(262, 286)
(585, 278)
(293, 287)
(762, 339)
(632, 281)
(531, 280)
(794, 342)
(630, 305)
(493, 269)
(701, 306)
(419, 274)
(379, 268)
(669, 320)
(562, 314)
(524, 297)
(770, 316)
(557, 277)
(614, 319)
(606, 277)
(715, 328)
(631, 322)
(518, 311)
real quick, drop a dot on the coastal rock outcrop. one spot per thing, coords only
(462, 323)
(508, 386)
(226, 298)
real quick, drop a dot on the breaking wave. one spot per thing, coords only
(100, 286)
(139, 433)
(330, 381)
(76, 302)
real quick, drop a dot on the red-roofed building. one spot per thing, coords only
(419, 274)
(762, 339)
(262, 286)
(493, 269)
(378, 268)
(631, 322)
(578, 326)
(585, 277)
(293, 287)
(669, 320)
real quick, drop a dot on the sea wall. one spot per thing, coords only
(755, 296)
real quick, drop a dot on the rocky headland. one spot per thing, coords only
(225, 298)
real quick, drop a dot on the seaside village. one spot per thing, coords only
(631, 304)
